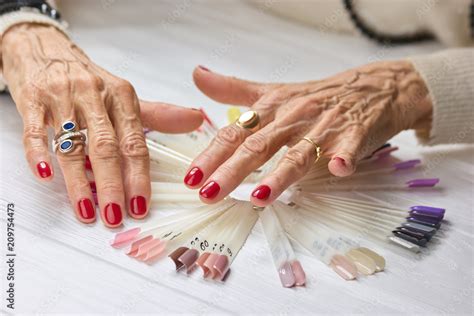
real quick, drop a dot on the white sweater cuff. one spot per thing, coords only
(449, 76)
(24, 16)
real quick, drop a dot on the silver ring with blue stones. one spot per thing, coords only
(64, 141)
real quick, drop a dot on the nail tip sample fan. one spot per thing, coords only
(332, 227)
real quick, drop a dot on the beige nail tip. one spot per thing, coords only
(365, 265)
(144, 248)
(300, 276)
(155, 253)
(132, 251)
(176, 254)
(287, 277)
(378, 259)
(344, 267)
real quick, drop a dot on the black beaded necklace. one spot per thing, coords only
(382, 38)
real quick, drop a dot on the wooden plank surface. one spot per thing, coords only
(63, 266)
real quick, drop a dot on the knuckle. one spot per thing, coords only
(297, 158)
(34, 132)
(87, 81)
(228, 135)
(56, 86)
(122, 86)
(256, 144)
(133, 145)
(105, 144)
(110, 186)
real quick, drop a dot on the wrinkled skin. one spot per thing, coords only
(348, 115)
(52, 81)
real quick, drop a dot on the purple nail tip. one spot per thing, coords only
(406, 164)
(425, 221)
(428, 210)
(418, 183)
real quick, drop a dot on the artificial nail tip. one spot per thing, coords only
(419, 183)
(287, 277)
(125, 237)
(175, 255)
(406, 164)
(188, 258)
(300, 275)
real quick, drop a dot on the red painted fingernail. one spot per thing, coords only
(342, 161)
(86, 208)
(43, 169)
(210, 190)
(88, 163)
(138, 205)
(262, 192)
(193, 177)
(93, 186)
(113, 214)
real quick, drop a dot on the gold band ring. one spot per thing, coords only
(249, 120)
(316, 148)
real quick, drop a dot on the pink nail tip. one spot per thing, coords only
(176, 254)
(123, 238)
(188, 258)
(418, 183)
(155, 252)
(406, 164)
(208, 266)
(221, 266)
(287, 277)
(385, 152)
(300, 275)
(132, 251)
(145, 248)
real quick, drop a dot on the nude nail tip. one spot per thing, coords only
(176, 254)
(123, 238)
(364, 264)
(188, 258)
(221, 266)
(132, 250)
(300, 275)
(378, 259)
(208, 266)
(344, 267)
(286, 274)
(155, 252)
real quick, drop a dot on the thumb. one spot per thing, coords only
(168, 118)
(228, 90)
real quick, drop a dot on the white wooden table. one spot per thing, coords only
(63, 266)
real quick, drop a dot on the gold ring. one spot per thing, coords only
(316, 148)
(249, 120)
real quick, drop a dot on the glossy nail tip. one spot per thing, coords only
(194, 177)
(210, 190)
(364, 264)
(175, 255)
(287, 277)
(143, 249)
(155, 253)
(300, 275)
(421, 183)
(208, 266)
(221, 266)
(86, 209)
(343, 267)
(201, 260)
(428, 211)
(123, 238)
(133, 249)
(188, 258)
(378, 259)
(404, 243)
(407, 164)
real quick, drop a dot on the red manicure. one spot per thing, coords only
(262, 192)
(138, 205)
(113, 214)
(193, 177)
(43, 169)
(86, 209)
(203, 68)
(210, 190)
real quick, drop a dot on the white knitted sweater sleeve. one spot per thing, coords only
(449, 76)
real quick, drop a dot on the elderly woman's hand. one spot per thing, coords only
(52, 81)
(348, 116)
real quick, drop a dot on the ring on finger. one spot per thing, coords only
(317, 148)
(65, 140)
(249, 120)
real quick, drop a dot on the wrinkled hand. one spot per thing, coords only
(52, 81)
(348, 115)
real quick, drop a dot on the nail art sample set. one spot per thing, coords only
(316, 214)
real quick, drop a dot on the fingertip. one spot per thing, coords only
(138, 207)
(341, 166)
(44, 170)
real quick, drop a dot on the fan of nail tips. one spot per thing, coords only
(332, 228)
